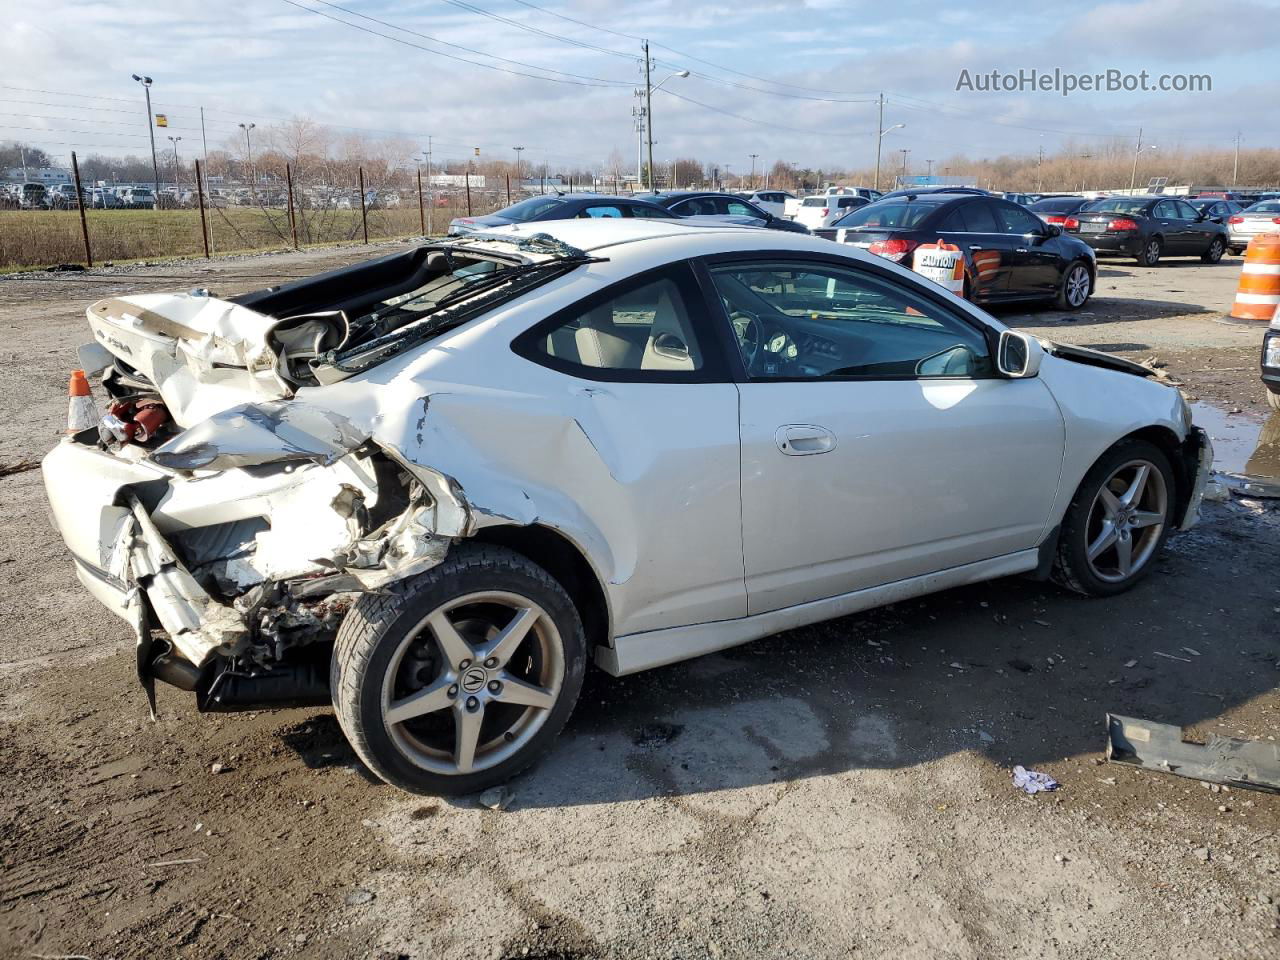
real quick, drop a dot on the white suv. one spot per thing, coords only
(822, 211)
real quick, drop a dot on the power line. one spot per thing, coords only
(763, 123)
(458, 46)
(440, 53)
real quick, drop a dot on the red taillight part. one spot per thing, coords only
(1071, 223)
(1124, 223)
(826, 211)
(1236, 220)
(1055, 219)
(1275, 219)
(895, 248)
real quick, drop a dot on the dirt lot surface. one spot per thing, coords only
(841, 790)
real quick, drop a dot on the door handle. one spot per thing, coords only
(804, 439)
(1021, 250)
(974, 246)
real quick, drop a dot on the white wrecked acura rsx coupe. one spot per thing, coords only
(428, 488)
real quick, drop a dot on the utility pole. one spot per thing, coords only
(753, 170)
(1235, 167)
(431, 206)
(519, 182)
(929, 169)
(151, 132)
(1085, 157)
(648, 110)
(204, 142)
(248, 149)
(904, 151)
(879, 138)
(1039, 171)
(1133, 176)
(177, 188)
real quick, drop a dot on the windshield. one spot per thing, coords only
(1118, 205)
(887, 215)
(527, 210)
(1265, 206)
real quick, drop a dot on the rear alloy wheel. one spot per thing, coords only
(1215, 251)
(463, 676)
(1149, 256)
(1074, 290)
(1118, 520)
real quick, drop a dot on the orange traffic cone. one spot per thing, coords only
(82, 412)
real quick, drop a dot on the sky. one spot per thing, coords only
(791, 80)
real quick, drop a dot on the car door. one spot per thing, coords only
(1173, 227)
(653, 436)
(877, 443)
(1033, 260)
(975, 228)
(1199, 231)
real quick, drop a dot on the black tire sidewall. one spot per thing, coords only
(1073, 539)
(1219, 246)
(1144, 258)
(421, 595)
(1063, 300)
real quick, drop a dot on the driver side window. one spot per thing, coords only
(795, 320)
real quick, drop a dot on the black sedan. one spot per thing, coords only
(1055, 210)
(1009, 253)
(1148, 228)
(721, 206)
(560, 206)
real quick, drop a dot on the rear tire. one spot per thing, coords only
(474, 708)
(1073, 288)
(1215, 251)
(1118, 520)
(1151, 251)
(1236, 251)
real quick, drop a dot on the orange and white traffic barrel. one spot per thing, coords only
(1258, 296)
(941, 262)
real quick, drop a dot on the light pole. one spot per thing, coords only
(176, 168)
(904, 151)
(753, 169)
(1083, 179)
(879, 139)
(1133, 175)
(519, 182)
(248, 149)
(929, 169)
(1235, 167)
(155, 164)
(649, 87)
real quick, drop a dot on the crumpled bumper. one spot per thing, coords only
(1198, 453)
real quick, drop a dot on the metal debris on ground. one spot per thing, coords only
(1253, 764)
(497, 798)
(358, 898)
(1033, 781)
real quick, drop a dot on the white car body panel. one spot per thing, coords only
(664, 488)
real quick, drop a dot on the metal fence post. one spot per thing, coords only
(84, 224)
(293, 222)
(422, 217)
(364, 215)
(466, 177)
(204, 223)
(508, 189)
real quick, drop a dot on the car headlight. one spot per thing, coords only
(1271, 349)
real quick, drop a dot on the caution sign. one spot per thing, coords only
(161, 120)
(941, 262)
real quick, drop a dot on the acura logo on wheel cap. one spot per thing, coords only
(474, 679)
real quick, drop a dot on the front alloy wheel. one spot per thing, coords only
(462, 676)
(1074, 293)
(1215, 251)
(1117, 521)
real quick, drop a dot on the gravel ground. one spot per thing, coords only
(841, 790)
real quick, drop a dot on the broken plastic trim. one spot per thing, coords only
(1250, 764)
(252, 434)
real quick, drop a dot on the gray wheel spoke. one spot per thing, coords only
(1105, 539)
(454, 648)
(428, 700)
(1134, 493)
(504, 645)
(526, 694)
(1110, 503)
(1146, 518)
(466, 737)
(1124, 555)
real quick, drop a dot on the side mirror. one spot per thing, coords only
(1018, 355)
(1053, 229)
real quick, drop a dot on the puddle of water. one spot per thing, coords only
(1241, 443)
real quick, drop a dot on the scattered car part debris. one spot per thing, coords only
(1170, 656)
(22, 466)
(1033, 781)
(1252, 764)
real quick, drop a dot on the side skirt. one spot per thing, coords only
(656, 648)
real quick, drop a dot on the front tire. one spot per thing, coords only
(1152, 249)
(1118, 520)
(1073, 290)
(1215, 251)
(457, 679)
